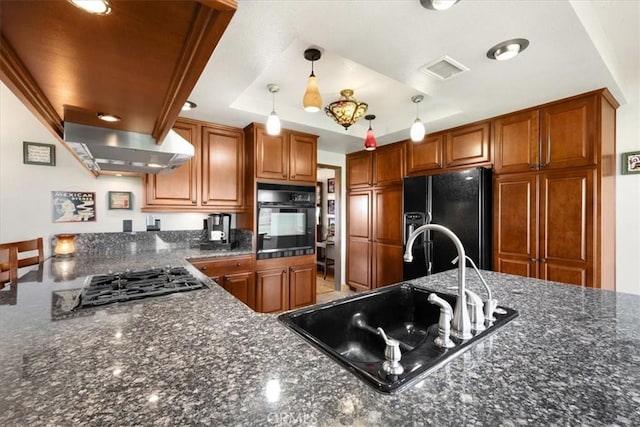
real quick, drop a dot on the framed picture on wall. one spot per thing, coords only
(331, 185)
(120, 200)
(36, 153)
(331, 207)
(631, 162)
(73, 206)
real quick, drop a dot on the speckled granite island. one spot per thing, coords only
(571, 358)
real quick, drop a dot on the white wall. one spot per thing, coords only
(25, 190)
(628, 201)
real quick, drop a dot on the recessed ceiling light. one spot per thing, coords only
(108, 117)
(188, 105)
(507, 49)
(438, 4)
(97, 7)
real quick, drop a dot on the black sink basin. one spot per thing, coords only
(345, 330)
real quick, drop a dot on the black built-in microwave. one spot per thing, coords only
(285, 220)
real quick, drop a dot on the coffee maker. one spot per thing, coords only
(218, 229)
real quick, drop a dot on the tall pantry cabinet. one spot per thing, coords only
(374, 217)
(554, 191)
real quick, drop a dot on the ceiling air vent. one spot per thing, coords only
(443, 68)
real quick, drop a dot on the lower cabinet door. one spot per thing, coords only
(302, 285)
(241, 286)
(272, 290)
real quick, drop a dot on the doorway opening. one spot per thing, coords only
(328, 213)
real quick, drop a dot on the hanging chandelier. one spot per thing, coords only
(347, 110)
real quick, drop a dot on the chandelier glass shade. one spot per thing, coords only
(312, 101)
(347, 110)
(273, 121)
(417, 128)
(370, 143)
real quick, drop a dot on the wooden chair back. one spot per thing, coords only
(8, 265)
(27, 246)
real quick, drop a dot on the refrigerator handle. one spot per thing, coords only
(428, 219)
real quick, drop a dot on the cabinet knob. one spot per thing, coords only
(533, 260)
(293, 269)
(204, 202)
(284, 271)
(203, 268)
(543, 260)
(543, 165)
(533, 166)
(238, 264)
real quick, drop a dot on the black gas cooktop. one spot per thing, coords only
(130, 285)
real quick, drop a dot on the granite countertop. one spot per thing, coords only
(572, 357)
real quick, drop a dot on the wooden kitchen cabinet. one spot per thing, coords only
(558, 136)
(178, 189)
(425, 155)
(272, 290)
(374, 236)
(285, 283)
(468, 146)
(212, 180)
(234, 274)
(517, 142)
(384, 166)
(465, 146)
(543, 225)
(557, 220)
(223, 167)
(290, 156)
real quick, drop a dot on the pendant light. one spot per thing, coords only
(370, 143)
(273, 121)
(417, 128)
(312, 101)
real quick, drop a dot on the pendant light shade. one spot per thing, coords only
(370, 143)
(347, 110)
(273, 121)
(312, 101)
(417, 128)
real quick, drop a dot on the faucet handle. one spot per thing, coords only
(444, 323)
(392, 355)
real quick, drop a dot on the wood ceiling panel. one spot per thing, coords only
(140, 62)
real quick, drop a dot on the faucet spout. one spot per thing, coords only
(461, 324)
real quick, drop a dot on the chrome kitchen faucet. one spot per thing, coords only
(461, 324)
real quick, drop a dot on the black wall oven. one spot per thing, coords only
(286, 220)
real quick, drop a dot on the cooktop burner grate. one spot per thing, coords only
(130, 285)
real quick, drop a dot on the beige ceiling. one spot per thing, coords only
(378, 47)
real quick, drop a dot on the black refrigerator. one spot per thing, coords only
(460, 201)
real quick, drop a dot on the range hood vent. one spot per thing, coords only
(112, 150)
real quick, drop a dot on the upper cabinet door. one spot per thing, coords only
(568, 134)
(302, 157)
(517, 142)
(388, 164)
(223, 167)
(359, 170)
(468, 145)
(272, 153)
(179, 188)
(425, 155)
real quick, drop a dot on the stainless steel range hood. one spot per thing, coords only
(111, 150)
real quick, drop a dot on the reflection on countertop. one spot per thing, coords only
(204, 358)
